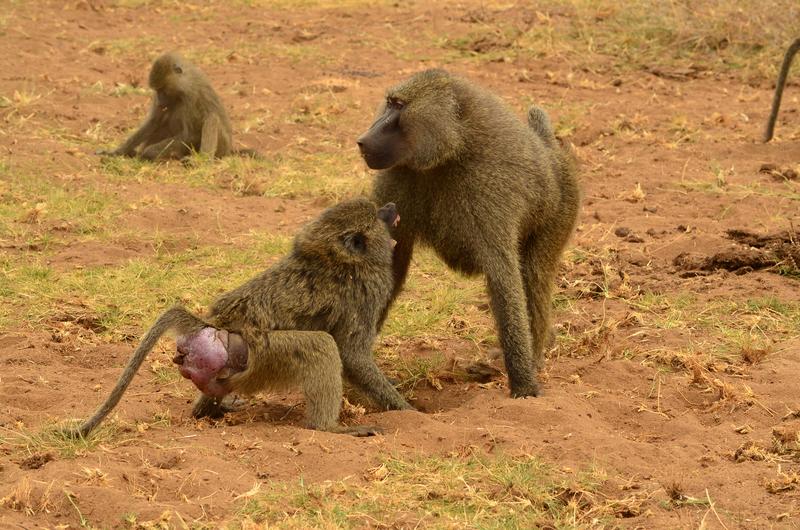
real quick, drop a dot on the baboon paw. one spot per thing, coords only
(529, 390)
(399, 404)
(216, 408)
(232, 403)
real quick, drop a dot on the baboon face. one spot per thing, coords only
(352, 232)
(384, 144)
(167, 79)
(417, 125)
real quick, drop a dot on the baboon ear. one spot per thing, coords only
(356, 243)
(177, 68)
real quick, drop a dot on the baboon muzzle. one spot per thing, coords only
(388, 214)
(383, 143)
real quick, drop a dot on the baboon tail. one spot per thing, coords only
(776, 99)
(540, 123)
(176, 318)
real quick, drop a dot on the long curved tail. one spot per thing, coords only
(776, 99)
(176, 318)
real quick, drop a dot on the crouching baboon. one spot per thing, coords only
(186, 115)
(302, 322)
(447, 147)
(776, 100)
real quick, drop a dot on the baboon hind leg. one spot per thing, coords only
(315, 360)
(171, 148)
(507, 296)
(309, 359)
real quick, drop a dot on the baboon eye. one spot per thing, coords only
(356, 242)
(395, 103)
(177, 69)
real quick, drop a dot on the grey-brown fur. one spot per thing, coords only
(489, 194)
(186, 115)
(306, 319)
(794, 47)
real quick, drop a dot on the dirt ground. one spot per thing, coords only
(673, 381)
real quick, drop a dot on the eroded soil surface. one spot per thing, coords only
(644, 387)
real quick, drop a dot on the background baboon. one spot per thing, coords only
(447, 146)
(302, 320)
(186, 115)
(776, 99)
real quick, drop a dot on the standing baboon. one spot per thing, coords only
(447, 147)
(300, 322)
(186, 115)
(776, 100)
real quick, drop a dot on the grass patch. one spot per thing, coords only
(437, 301)
(720, 319)
(719, 184)
(730, 334)
(119, 90)
(141, 47)
(419, 369)
(35, 447)
(464, 491)
(738, 37)
(18, 102)
(320, 174)
(32, 206)
(122, 299)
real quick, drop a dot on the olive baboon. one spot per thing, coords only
(776, 100)
(300, 322)
(445, 146)
(186, 115)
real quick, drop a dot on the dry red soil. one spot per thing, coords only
(608, 401)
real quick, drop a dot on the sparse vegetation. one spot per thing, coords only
(660, 366)
(461, 490)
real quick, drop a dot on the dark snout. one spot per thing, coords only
(388, 214)
(382, 145)
(162, 99)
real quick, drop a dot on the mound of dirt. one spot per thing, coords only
(779, 252)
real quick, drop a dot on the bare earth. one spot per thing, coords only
(650, 392)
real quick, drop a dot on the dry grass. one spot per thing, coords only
(463, 489)
(672, 39)
(710, 343)
(33, 448)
